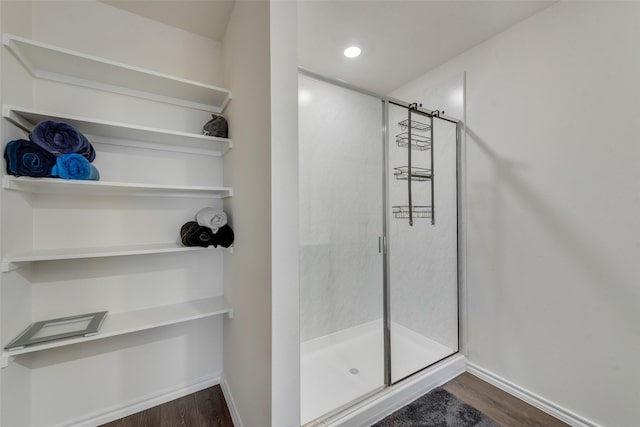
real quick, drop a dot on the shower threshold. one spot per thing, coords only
(340, 368)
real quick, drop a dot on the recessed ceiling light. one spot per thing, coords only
(352, 52)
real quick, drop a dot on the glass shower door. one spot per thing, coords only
(341, 265)
(423, 261)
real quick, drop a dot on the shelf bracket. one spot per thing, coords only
(17, 120)
(7, 266)
(230, 313)
(5, 359)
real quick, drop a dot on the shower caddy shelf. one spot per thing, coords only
(415, 137)
(418, 142)
(417, 174)
(402, 212)
(414, 124)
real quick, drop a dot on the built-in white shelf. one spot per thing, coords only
(60, 186)
(128, 135)
(140, 320)
(13, 261)
(49, 62)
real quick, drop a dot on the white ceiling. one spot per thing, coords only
(400, 39)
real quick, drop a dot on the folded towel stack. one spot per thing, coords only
(55, 149)
(210, 228)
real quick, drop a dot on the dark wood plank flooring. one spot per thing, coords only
(498, 405)
(205, 408)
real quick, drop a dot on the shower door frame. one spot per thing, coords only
(384, 241)
(432, 114)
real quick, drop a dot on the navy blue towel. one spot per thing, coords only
(61, 138)
(24, 158)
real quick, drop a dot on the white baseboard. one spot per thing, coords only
(531, 398)
(231, 404)
(149, 401)
(390, 400)
(365, 413)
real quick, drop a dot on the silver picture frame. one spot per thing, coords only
(57, 329)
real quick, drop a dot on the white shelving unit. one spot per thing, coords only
(62, 65)
(103, 188)
(139, 320)
(11, 262)
(49, 62)
(129, 135)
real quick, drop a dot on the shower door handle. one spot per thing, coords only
(379, 244)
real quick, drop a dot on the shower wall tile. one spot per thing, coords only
(340, 208)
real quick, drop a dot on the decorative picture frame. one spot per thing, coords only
(59, 328)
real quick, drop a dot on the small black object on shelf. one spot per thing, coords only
(217, 127)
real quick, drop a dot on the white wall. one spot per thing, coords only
(247, 337)
(15, 381)
(285, 335)
(112, 33)
(553, 237)
(121, 36)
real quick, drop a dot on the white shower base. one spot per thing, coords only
(327, 363)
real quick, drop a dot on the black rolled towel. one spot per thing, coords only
(193, 234)
(24, 158)
(224, 237)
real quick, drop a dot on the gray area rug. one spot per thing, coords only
(438, 408)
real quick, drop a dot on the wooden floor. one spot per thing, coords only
(207, 408)
(498, 405)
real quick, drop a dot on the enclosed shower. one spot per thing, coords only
(378, 243)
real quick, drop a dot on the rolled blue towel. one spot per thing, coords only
(74, 166)
(24, 158)
(60, 138)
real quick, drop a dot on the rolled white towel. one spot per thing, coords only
(212, 218)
